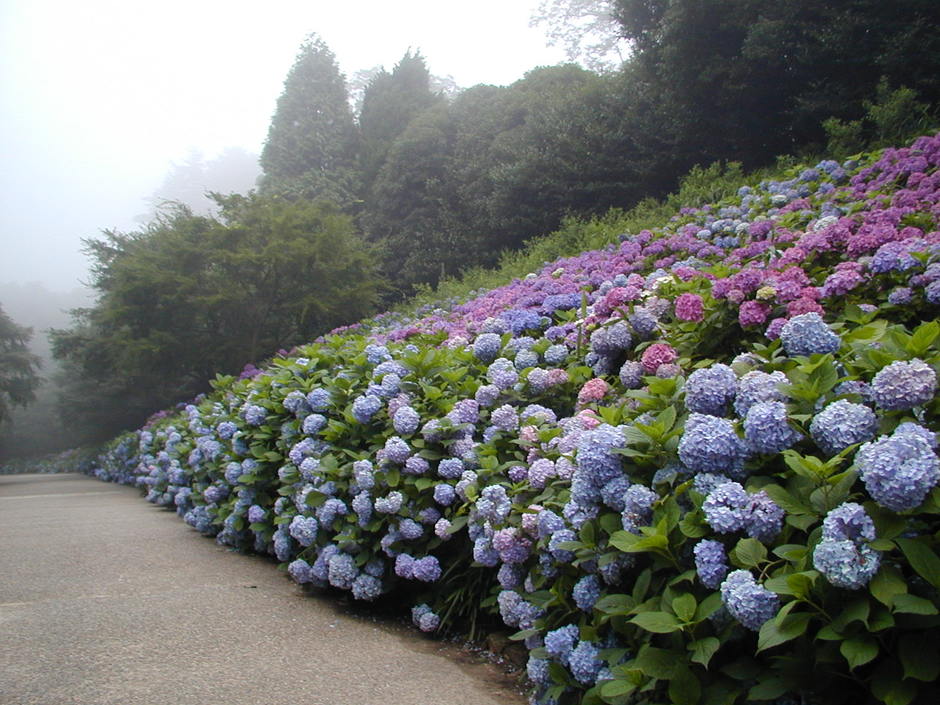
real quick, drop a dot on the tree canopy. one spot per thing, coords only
(192, 296)
(19, 368)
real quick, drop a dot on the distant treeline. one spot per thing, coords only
(357, 208)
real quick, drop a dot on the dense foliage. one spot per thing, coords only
(192, 296)
(19, 367)
(698, 465)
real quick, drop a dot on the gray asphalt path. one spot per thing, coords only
(105, 599)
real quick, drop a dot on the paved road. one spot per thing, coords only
(108, 600)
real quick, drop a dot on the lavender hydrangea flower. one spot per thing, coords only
(757, 386)
(560, 642)
(562, 555)
(486, 395)
(505, 418)
(586, 592)
(442, 529)
(631, 374)
(637, 511)
(585, 662)
(711, 563)
(767, 429)
(494, 504)
(846, 564)
(397, 450)
(426, 569)
(848, 522)
(255, 415)
(299, 570)
(389, 504)
(406, 421)
(749, 603)
(537, 670)
(808, 334)
(763, 518)
(710, 390)
(898, 470)
(710, 444)
(450, 468)
(303, 530)
(365, 407)
(318, 399)
(904, 385)
(842, 424)
(484, 553)
(424, 618)
(366, 587)
(725, 507)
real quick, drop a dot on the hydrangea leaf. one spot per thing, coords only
(922, 559)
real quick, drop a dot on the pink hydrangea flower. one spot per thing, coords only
(593, 391)
(658, 354)
(753, 313)
(690, 307)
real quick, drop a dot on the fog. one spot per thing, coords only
(99, 100)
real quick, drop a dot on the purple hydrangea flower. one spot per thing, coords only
(318, 399)
(586, 592)
(585, 662)
(365, 407)
(842, 424)
(637, 511)
(710, 390)
(426, 569)
(494, 504)
(366, 587)
(406, 421)
(757, 386)
(767, 429)
(255, 415)
(631, 374)
(846, 564)
(749, 603)
(711, 563)
(342, 570)
(397, 450)
(710, 444)
(425, 619)
(303, 529)
(505, 418)
(725, 507)
(389, 504)
(808, 334)
(898, 470)
(562, 555)
(560, 642)
(904, 385)
(299, 570)
(763, 518)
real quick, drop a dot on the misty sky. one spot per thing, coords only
(97, 98)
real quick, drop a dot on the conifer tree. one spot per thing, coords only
(312, 141)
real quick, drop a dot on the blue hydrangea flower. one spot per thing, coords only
(808, 334)
(494, 503)
(725, 507)
(502, 374)
(537, 670)
(389, 504)
(330, 510)
(426, 569)
(548, 523)
(226, 430)
(710, 390)
(842, 424)
(898, 470)
(637, 511)
(486, 347)
(904, 385)
(711, 562)
(318, 399)
(585, 662)
(256, 514)
(299, 570)
(410, 529)
(424, 618)
(376, 354)
(757, 386)
(255, 415)
(596, 462)
(364, 474)
(342, 570)
(465, 411)
(586, 592)
(767, 429)
(314, 423)
(556, 355)
(283, 546)
(562, 555)
(930, 438)
(366, 587)
(397, 450)
(516, 611)
(849, 521)
(406, 421)
(631, 374)
(763, 518)
(560, 642)
(484, 553)
(486, 395)
(365, 407)
(846, 564)
(416, 465)
(304, 530)
(710, 444)
(442, 529)
(749, 603)
(450, 468)
(505, 418)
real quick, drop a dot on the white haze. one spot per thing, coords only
(98, 98)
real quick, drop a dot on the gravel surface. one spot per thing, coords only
(105, 599)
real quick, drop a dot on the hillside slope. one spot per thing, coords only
(697, 466)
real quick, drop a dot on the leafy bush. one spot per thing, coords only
(697, 465)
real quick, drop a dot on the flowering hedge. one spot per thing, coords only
(697, 466)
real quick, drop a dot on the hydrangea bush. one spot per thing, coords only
(697, 466)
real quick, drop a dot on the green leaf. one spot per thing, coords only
(708, 606)
(923, 338)
(750, 553)
(684, 607)
(657, 622)
(641, 585)
(773, 634)
(886, 584)
(768, 689)
(656, 663)
(919, 658)
(617, 688)
(615, 604)
(684, 688)
(787, 501)
(859, 650)
(703, 650)
(911, 604)
(856, 611)
(922, 559)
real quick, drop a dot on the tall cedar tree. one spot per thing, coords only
(312, 143)
(390, 102)
(18, 366)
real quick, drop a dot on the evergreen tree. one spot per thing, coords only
(390, 102)
(18, 366)
(312, 141)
